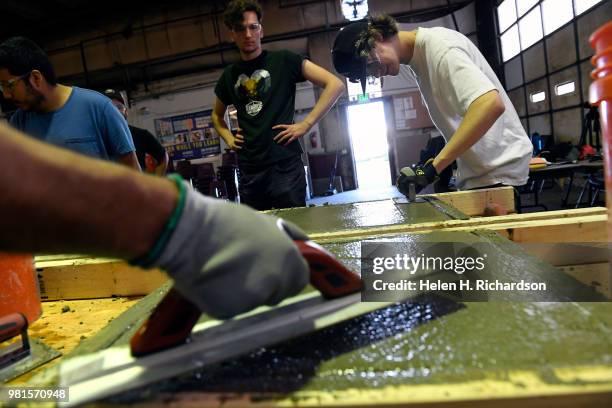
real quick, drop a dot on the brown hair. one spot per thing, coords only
(234, 13)
(380, 27)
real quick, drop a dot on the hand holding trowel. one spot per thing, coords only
(413, 179)
(225, 260)
(171, 322)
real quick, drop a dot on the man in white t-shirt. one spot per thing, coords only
(466, 101)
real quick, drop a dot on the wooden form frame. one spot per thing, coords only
(63, 277)
(81, 277)
(579, 225)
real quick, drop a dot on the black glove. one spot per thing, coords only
(419, 175)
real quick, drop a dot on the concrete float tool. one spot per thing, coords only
(11, 326)
(24, 354)
(168, 345)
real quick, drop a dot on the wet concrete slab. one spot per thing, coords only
(428, 340)
(368, 214)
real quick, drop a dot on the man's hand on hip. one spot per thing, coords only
(291, 132)
(237, 141)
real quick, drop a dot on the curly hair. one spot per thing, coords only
(234, 13)
(380, 27)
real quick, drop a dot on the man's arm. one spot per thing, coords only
(480, 116)
(129, 160)
(233, 141)
(62, 201)
(225, 258)
(332, 89)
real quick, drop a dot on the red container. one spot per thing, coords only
(600, 94)
(19, 286)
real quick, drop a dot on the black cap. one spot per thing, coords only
(116, 95)
(345, 54)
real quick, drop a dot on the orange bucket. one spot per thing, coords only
(19, 286)
(600, 94)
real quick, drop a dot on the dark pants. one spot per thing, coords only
(280, 185)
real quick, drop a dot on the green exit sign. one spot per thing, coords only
(363, 98)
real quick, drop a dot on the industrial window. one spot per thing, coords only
(510, 43)
(555, 13)
(529, 16)
(555, 33)
(583, 5)
(537, 96)
(530, 28)
(506, 14)
(523, 6)
(565, 88)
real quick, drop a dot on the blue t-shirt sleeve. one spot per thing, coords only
(115, 131)
(16, 120)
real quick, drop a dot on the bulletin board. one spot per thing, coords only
(410, 112)
(188, 136)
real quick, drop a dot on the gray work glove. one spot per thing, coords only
(228, 259)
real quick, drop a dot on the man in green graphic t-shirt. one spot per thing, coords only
(262, 88)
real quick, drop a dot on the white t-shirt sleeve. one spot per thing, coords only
(460, 80)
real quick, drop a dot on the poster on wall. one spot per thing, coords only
(188, 136)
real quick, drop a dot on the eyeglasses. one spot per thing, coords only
(240, 29)
(8, 86)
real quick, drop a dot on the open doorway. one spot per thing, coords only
(368, 133)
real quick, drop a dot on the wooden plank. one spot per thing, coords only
(474, 202)
(88, 278)
(590, 228)
(509, 225)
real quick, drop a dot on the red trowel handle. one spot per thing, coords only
(12, 325)
(174, 317)
(169, 325)
(327, 274)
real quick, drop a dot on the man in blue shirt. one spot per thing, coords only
(78, 119)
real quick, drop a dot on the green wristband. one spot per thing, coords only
(147, 259)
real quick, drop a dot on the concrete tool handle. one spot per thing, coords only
(171, 322)
(169, 325)
(327, 274)
(12, 325)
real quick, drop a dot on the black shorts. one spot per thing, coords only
(280, 185)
